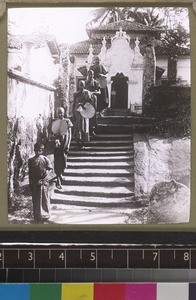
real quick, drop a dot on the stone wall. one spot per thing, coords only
(162, 178)
(157, 160)
(30, 111)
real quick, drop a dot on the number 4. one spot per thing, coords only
(62, 256)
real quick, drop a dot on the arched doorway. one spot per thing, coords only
(119, 91)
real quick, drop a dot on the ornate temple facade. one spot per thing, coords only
(127, 51)
(118, 47)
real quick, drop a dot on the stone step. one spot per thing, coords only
(106, 143)
(97, 172)
(114, 129)
(143, 120)
(103, 149)
(122, 120)
(102, 158)
(98, 181)
(98, 165)
(92, 191)
(118, 112)
(94, 201)
(113, 136)
(76, 153)
(71, 214)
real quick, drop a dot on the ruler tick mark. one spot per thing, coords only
(34, 258)
(127, 259)
(174, 254)
(80, 254)
(190, 258)
(142, 254)
(112, 254)
(3, 258)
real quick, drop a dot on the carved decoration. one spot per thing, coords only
(90, 56)
(121, 58)
(138, 58)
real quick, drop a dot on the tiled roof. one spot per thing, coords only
(83, 48)
(126, 26)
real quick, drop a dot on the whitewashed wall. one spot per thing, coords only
(184, 69)
(30, 109)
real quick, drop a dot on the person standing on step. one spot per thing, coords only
(92, 86)
(101, 78)
(62, 129)
(81, 124)
(39, 172)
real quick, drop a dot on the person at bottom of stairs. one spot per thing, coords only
(40, 168)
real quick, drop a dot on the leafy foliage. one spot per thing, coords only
(164, 18)
(176, 38)
(171, 108)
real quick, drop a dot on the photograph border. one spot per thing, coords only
(189, 228)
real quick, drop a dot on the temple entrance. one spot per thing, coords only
(119, 91)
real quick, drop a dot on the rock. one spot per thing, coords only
(169, 203)
(158, 160)
(141, 167)
(179, 160)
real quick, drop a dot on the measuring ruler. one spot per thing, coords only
(76, 262)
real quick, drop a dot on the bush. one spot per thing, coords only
(171, 107)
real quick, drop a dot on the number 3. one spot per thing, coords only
(30, 256)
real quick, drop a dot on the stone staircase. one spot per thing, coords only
(101, 176)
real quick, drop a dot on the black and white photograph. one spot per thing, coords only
(98, 115)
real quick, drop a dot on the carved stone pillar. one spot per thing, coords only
(172, 68)
(149, 67)
(129, 104)
(109, 85)
(72, 84)
(64, 79)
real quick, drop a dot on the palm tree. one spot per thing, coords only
(147, 16)
(105, 15)
(153, 17)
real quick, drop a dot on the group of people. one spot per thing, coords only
(92, 91)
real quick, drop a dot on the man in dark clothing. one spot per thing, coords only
(92, 86)
(100, 77)
(62, 145)
(39, 169)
